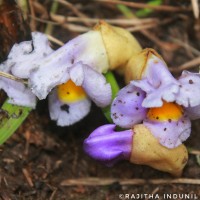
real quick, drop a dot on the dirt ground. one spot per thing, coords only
(43, 161)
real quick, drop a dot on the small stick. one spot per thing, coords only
(55, 40)
(187, 65)
(109, 181)
(144, 5)
(75, 10)
(195, 7)
(194, 152)
(28, 178)
(14, 78)
(63, 19)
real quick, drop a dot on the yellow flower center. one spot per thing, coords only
(70, 93)
(168, 111)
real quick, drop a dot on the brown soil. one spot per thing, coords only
(40, 158)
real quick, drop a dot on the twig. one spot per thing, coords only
(141, 27)
(53, 194)
(73, 27)
(49, 27)
(75, 10)
(195, 7)
(187, 65)
(63, 19)
(9, 76)
(168, 46)
(43, 20)
(55, 40)
(144, 5)
(185, 45)
(32, 23)
(28, 178)
(194, 152)
(109, 181)
(153, 192)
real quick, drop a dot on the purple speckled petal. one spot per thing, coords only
(170, 133)
(67, 114)
(107, 146)
(158, 83)
(189, 93)
(17, 92)
(126, 109)
(25, 55)
(94, 84)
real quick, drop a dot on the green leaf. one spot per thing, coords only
(127, 12)
(11, 117)
(146, 11)
(115, 88)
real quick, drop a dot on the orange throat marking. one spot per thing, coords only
(70, 93)
(168, 111)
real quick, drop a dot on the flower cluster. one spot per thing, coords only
(155, 109)
(164, 105)
(71, 75)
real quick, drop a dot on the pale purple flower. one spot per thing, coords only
(81, 60)
(158, 85)
(132, 105)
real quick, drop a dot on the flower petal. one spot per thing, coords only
(108, 146)
(17, 92)
(44, 80)
(67, 114)
(126, 109)
(170, 133)
(87, 48)
(25, 55)
(158, 83)
(189, 93)
(93, 83)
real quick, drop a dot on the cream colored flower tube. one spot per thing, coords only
(146, 150)
(120, 45)
(137, 64)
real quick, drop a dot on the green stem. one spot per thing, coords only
(115, 88)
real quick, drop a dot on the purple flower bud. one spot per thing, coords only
(107, 146)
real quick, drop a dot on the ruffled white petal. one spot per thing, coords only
(17, 92)
(25, 55)
(44, 80)
(93, 83)
(67, 114)
(87, 48)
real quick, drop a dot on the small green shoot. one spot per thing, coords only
(115, 88)
(146, 11)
